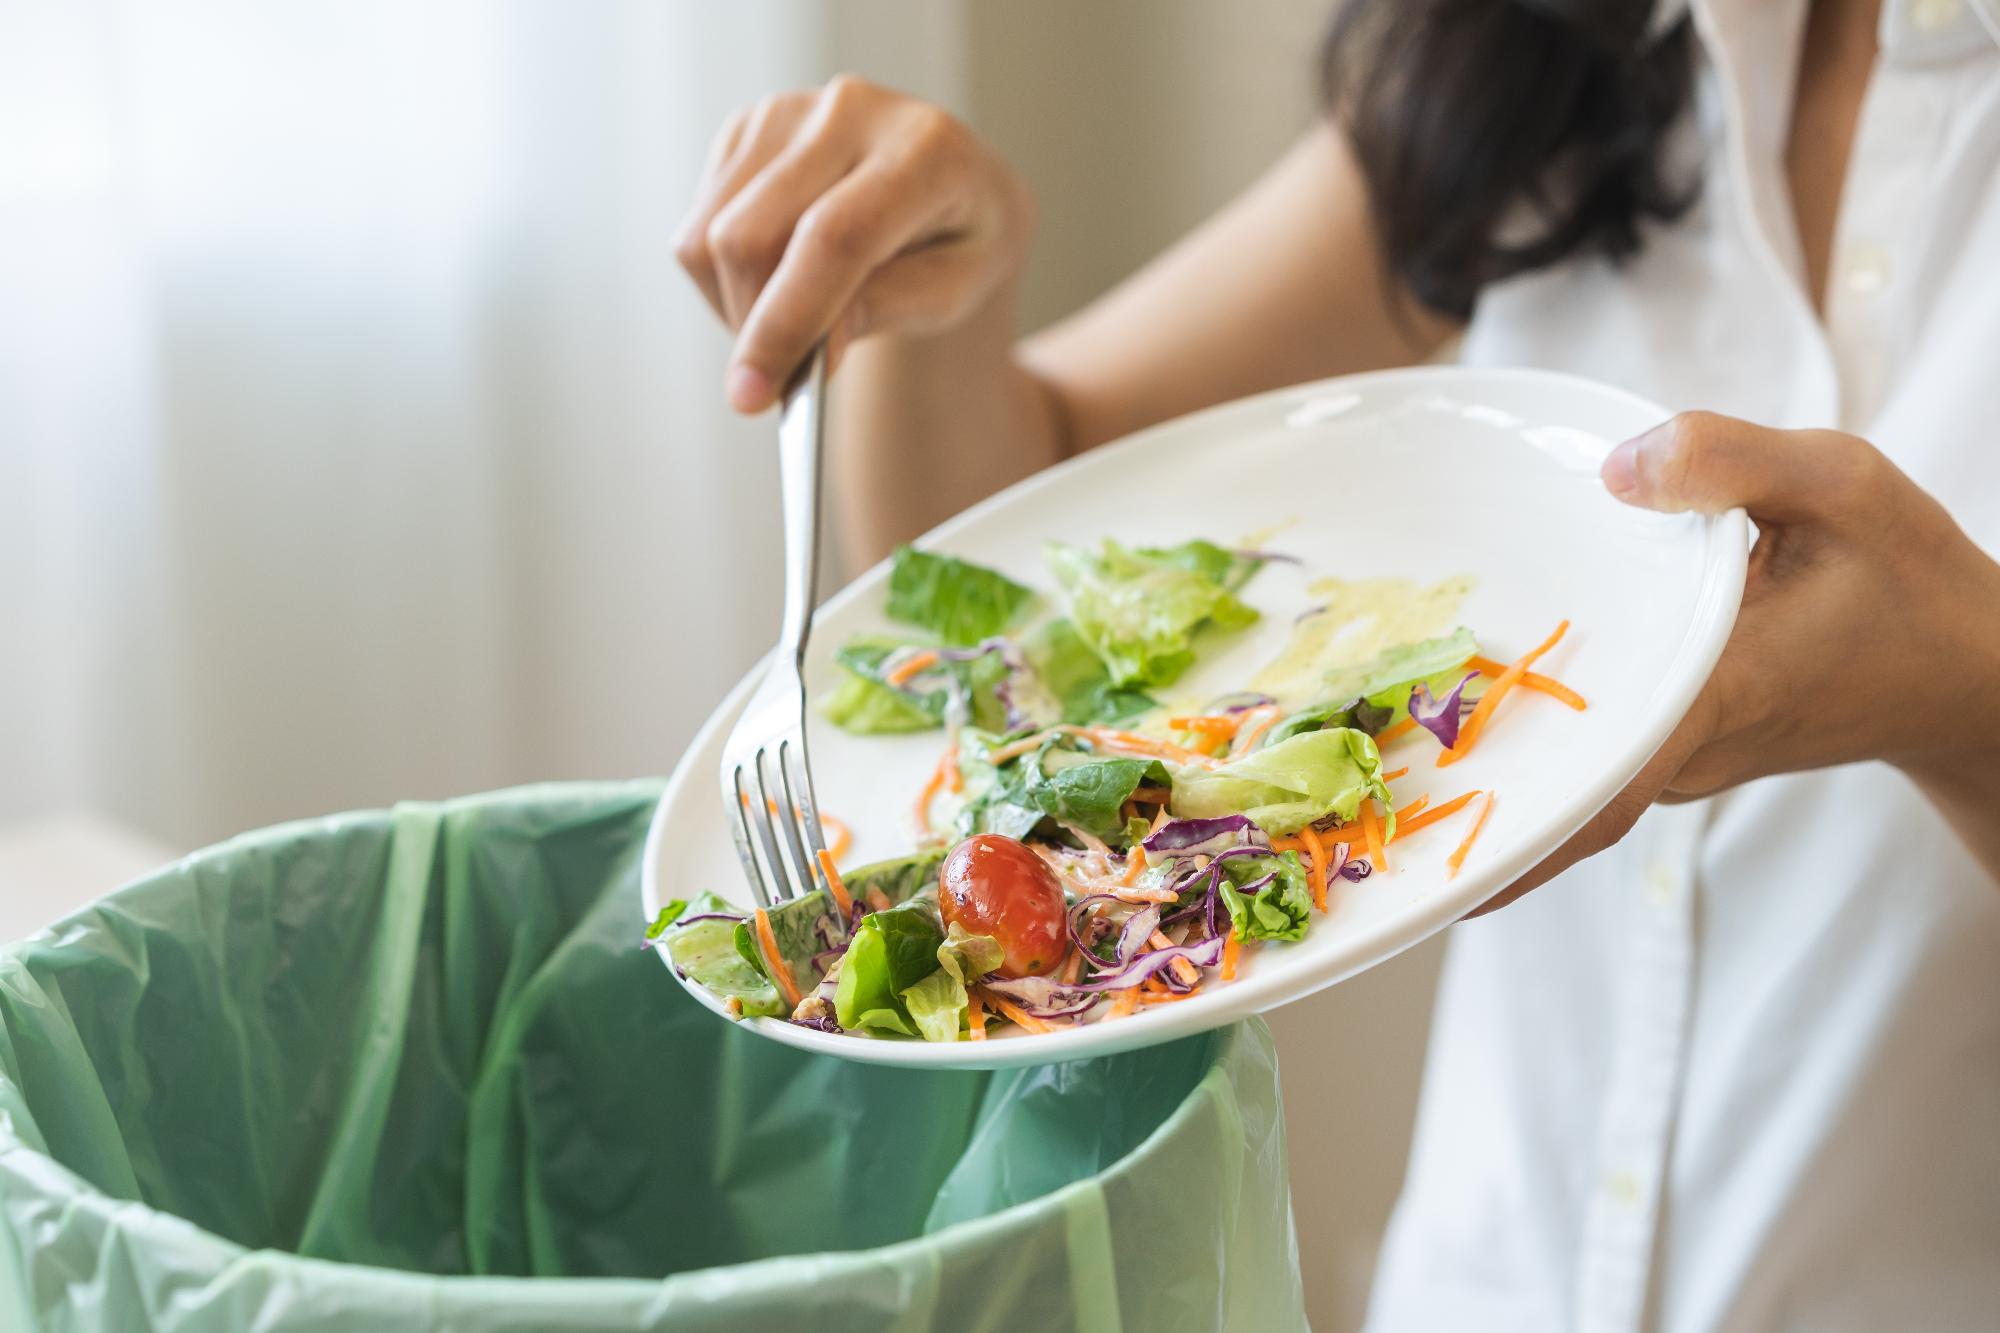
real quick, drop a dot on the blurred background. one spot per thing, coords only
(360, 440)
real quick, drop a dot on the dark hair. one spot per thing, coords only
(1548, 117)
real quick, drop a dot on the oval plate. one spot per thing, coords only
(1421, 474)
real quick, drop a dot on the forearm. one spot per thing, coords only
(925, 425)
(1966, 790)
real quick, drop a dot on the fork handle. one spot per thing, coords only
(801, 444)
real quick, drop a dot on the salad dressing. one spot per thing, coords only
(1355, 621)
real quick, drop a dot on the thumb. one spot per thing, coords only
(1707, 463)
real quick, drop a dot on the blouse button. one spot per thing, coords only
(1866, 269)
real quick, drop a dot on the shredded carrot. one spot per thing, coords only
(1126, 1001)
(774, 962)
(1168, 997)
(1145, 745)
(930, 791)
(1071, 966)
(1403, 728)
(1318, 850)
(1371, 833)
(841, 897)
(1207, 724)
(1430, 817)
(975, 1017)
(1412, 808)
(1231, 947)
(1018, 1016)
(1457, 858)
(954, 777)
(878, 899)
(1182, 968)
(1533, 680)
(1151, 795)
(1474, 725)
(1399, 773)
(1135, 866)
(843, 837)
(912, 666)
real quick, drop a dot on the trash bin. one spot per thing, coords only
(412, 1070)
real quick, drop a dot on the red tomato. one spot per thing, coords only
(993, 885)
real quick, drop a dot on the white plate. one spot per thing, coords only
(1423, 474)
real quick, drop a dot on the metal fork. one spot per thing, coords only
(766, 778)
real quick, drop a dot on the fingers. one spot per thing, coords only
(1708, 463)
(744, 147)
(839, 241)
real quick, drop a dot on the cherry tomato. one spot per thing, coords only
(993, 885)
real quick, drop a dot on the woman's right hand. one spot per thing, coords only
(846, 211)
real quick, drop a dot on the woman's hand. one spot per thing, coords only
(1870, 629)
(845, 211)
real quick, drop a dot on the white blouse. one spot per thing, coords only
(1742, 1072)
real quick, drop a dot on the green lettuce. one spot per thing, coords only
(937, 1004)
(1224, 567)
(891, 952)
(1139, 613)
(869, 708)
(959, 602)
(1054, 782)
(1279, 910)
(794, 925)
(1386, 681)
(1286, 786)
(1079, 690)
(866, 704)
(898, 880)
(706, 953)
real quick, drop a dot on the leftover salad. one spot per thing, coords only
(1084, 851)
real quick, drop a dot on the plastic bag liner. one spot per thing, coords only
(412, 1070)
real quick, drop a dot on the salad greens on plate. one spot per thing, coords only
(1098, 852)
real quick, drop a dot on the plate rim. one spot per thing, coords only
(1726, 548)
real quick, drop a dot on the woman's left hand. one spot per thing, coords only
(1870, 629)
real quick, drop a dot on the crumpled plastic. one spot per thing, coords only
(411, 1070)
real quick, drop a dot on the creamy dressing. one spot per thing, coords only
(1358, 619)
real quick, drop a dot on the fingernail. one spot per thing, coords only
(1627, 467)
(1621, 470)
(749, 388)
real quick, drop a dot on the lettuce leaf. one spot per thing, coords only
(937, 1004)
(899, 880)
(795, 926)
(1212, 562)
(869, 708)
(705, 952)
(1387, 680)
(1079, 689)
(1286, 786)
(865, 704)
(892, 951)
(1139, 613)
(959, 602)
(1280, 909)
(1055, 782)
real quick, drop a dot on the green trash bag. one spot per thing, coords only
(412, 1070)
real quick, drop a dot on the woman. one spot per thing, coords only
(1742, 1069)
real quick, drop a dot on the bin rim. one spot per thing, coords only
(24, 1161)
